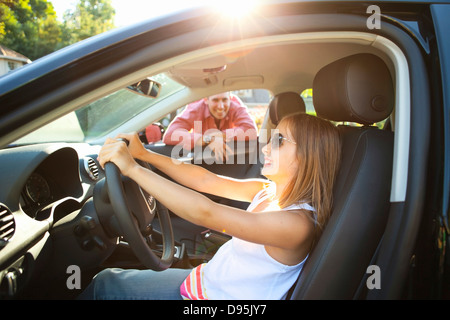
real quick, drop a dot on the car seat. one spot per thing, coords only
(284, 104)
(281, 105)
(356, 89)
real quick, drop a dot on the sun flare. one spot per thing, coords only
(234, 8)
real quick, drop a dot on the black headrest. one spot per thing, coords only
(357, 88)
(285, 103)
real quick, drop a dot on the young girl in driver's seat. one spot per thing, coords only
(270, 241)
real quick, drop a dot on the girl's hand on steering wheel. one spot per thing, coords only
(116, 151)
(135, 146)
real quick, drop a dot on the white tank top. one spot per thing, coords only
(242, 270)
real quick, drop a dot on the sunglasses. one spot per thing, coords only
(277, 140)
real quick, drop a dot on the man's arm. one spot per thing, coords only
(181, 129)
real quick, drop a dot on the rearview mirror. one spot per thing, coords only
(146, 87)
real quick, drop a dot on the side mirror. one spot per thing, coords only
(146, 87)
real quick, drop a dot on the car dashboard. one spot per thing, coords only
(41, 185)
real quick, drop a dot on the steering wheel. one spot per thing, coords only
(130, 222)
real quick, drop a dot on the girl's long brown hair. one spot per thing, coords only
(318, 156)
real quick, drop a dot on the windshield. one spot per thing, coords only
(100, 117)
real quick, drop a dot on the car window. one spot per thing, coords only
(102, 116)
(307, 96)
(256, 101)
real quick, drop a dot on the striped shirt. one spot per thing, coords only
(193, 287)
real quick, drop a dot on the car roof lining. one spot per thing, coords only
(265, 62)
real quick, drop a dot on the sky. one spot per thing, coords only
(131, 11)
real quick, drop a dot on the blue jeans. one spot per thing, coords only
(120, 284)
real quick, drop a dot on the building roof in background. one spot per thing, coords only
(12, 55)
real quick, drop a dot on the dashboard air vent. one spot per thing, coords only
(7, 226)
(91, 168)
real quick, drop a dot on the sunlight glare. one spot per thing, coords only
(234, 8)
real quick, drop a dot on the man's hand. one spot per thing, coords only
(219, 146)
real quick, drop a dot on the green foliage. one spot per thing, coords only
(31, 27)
(89, 18)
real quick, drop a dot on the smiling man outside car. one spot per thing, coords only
(223, 118)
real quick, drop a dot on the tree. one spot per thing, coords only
(89, 18)
(29, 27)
